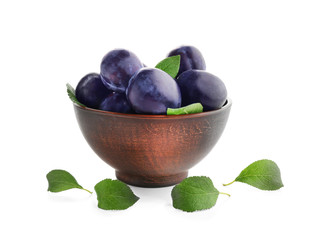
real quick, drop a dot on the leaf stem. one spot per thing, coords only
(229, 183)
(225, 194)
(86, 190)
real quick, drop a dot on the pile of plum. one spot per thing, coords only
(126, 85)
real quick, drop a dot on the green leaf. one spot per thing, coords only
(170, 65)
(192, 108)
(263, 174)
(72, 95)
(114, 195)
(195, 193)
(61, 180)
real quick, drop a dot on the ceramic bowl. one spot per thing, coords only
(151, 150)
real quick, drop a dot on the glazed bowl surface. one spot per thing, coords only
(151, 150)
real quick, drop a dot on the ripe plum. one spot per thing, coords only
(152, 91)
(90, 90)
(117, 67)
(203, 87)
(116, 102)
(191, 58)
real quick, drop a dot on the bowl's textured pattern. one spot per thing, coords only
(151, 150)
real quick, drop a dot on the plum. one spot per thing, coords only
(90, 90)
(116, 102)
(117, 67)
(191, 58)
(203, 87)
(152, 91)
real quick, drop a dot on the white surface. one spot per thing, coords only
(264, 51)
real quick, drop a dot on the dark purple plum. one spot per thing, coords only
(190, 58)
(116, 102)
(90, 90)
(203, 87)
(117, 68)
(152, 91)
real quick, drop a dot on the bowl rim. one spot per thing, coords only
(226, 105)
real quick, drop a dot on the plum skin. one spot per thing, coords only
(116, 102)
(117, 67)
(152, 91)
(190, 58)
(203, 87)
(90, 90)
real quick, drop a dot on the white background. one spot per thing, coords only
(264, 51)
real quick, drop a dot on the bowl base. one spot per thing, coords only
(151, 181)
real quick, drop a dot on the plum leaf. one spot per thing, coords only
(170, 65)
(195, 193)
(61, 180)
(72, 95)
(263, 174)
(114, 195)
(192, 108)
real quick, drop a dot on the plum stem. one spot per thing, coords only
(87, 190)
(228, 183)
(225, 194)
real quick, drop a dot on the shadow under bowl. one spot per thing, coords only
(151, 150)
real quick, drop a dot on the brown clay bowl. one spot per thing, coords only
(151, 150)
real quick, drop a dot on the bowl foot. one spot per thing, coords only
(151, 181)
